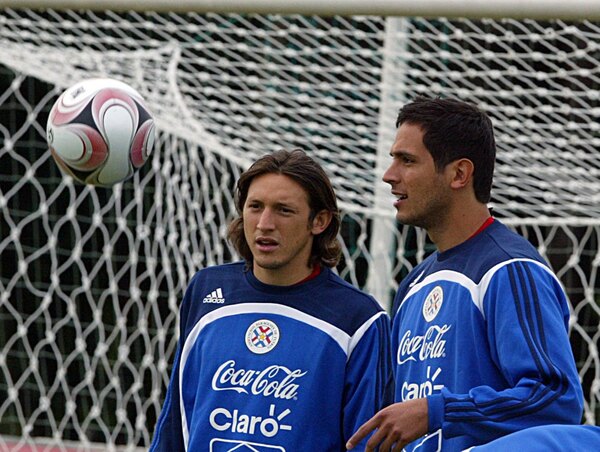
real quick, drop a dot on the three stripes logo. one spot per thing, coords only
(216, 297)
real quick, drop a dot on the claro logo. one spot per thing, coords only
(274, 381)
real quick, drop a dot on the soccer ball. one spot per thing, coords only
(100, 132)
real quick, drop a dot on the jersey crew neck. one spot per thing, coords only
(311, 281)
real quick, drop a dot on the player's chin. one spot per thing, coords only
(404, 218)
(410, 219)
(267, 262)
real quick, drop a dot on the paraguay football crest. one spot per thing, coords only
(433, 303)
(262, 336)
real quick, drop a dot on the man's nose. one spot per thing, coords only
(265, 221)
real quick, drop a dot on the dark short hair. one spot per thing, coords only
(453, 129)
(305, 171)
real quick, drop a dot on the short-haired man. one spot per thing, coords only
(479, 328)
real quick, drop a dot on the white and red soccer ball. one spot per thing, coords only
(100, 132)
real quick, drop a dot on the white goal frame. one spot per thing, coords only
(533, 9)
(170, 218)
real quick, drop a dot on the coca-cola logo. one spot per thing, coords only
(273, 381)
(428, 346)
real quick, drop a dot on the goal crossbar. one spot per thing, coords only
(533, 9)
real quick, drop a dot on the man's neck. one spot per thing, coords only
(459, 228)
(279, 277)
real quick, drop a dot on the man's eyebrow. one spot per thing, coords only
(399, 152)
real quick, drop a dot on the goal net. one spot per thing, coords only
(91, 279)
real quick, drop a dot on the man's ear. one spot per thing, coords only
(320, 222)
(462, 173)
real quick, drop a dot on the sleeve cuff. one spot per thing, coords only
(435, 411)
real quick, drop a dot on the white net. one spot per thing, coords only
(91, 279)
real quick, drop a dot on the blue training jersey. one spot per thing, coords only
(480, 330)
(272, 368)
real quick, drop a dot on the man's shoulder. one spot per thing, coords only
(496, 245)
(348, 293)
(503, 245)
(222, 270)
(510, 242)
(337, 302)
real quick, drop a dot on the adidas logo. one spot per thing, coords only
(216, 296)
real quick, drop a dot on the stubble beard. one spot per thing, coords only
(269, 264)
(429, 215)
(276, 263)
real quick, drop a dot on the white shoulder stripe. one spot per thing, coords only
(487, 278)
(477, 291)
(445, 275)
(361, 332)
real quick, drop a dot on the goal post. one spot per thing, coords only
(91, 279)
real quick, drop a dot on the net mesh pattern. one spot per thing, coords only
(91, 279)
